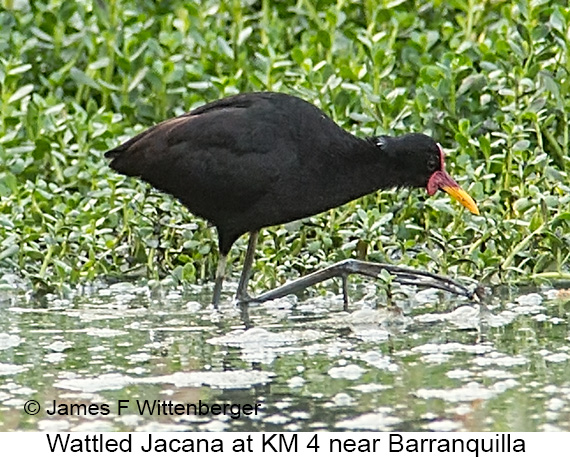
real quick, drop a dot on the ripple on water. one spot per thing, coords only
(53, 425)
(470, 392)
(443, 426)
(379, 361)
(343, 364)
(262, 346)
(10, 369)
(502, 360)
(261, 337)
(239, 379)
(464, 317)
(446, 348)
(351, 372)
(8, 341)
(380, 421)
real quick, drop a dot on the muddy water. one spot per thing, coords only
(127, 357)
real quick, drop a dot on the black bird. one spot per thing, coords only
(259, 159)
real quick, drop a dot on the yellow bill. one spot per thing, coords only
(462, 197)
(441, 180)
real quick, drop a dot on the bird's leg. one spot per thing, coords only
(220, 274)
(402, 275)
(241, 294)
(344, 292)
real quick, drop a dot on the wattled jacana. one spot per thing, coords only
(254, 160)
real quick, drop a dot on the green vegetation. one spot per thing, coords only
(489, 79)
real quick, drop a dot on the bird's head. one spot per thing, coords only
(440, 179)
(420, 162)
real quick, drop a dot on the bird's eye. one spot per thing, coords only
(433, 164)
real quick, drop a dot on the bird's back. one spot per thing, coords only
(243, 162)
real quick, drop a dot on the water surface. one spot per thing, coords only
(435, 362)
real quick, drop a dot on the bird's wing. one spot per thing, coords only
(222, 154)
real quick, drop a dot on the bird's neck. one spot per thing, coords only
(370, 167)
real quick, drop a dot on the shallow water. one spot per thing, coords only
(435, 363)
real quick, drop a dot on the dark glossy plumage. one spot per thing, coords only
(261, 159)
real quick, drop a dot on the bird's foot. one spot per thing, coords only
(243, 299)
(344, 268)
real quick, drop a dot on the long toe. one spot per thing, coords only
(243, 298)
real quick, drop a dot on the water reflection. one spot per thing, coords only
(439, 364)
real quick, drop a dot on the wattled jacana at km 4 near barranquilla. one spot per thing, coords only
(259, 159)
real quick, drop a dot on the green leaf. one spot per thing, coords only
(20, 69)
(81, 78)
(21, 93)
(521, 145)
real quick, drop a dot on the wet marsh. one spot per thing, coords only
(131, 355)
